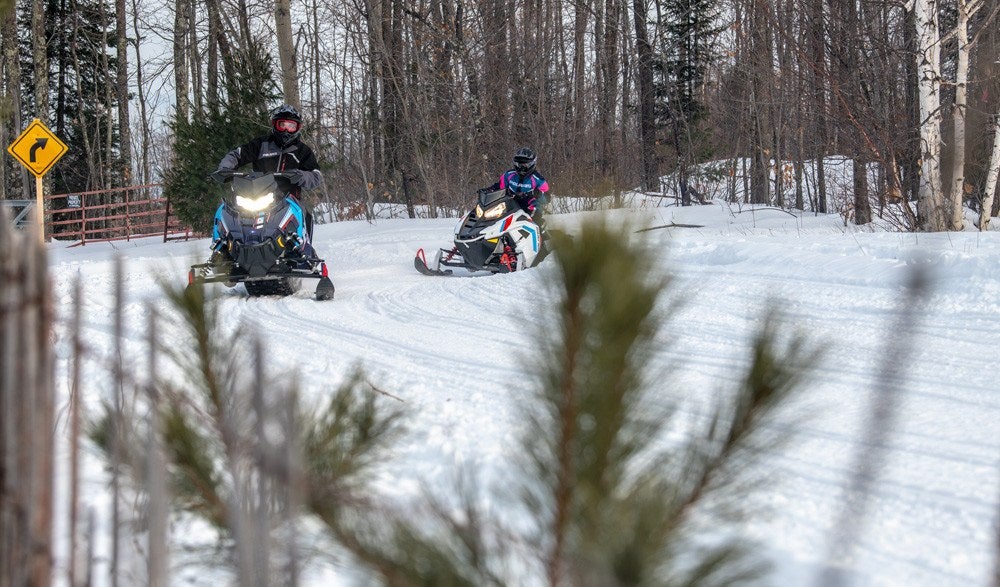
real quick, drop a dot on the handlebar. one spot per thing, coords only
(225, 175)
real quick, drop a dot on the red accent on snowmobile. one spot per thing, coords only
(326, 273)
(508, 258)
(420, 264)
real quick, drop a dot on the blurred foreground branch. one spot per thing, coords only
(26, 409)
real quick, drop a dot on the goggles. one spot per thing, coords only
(285, 125)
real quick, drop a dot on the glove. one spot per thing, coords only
(531, 205)
(295, 176)
(221, 175)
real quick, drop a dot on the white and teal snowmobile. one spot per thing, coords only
(260, 240)
(496, 236)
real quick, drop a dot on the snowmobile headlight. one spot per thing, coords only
(492, 213)
(255, 204)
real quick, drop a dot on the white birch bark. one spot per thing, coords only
(957, 190)
(990, 189)
(929, 199)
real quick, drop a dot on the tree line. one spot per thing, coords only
(420, 102)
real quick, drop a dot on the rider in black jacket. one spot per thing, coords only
(280, 151)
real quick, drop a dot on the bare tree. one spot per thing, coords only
(146, 140)
(647, 116)
(122, 92)
(286, 53)
(182, 24)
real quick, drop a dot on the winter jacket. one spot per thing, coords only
(529, 191)
(267, 157)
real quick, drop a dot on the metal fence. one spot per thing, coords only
(113, 214)
(18, 210)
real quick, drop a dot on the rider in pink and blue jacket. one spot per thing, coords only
(530, 189)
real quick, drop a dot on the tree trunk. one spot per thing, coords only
(109, 170)
(213, 95)
(12, 90)
(581, 10)
(862, 206)
(647, 115)
(990, 189)
(39, 51)
(182, 108)
(39, 46)
(89, 149)
(122, 93)
(195, 57)
(286, 53)
(817, 44)
(929, 203)
(958, 112)
(762, 82)
(608, 76)
(147, 139)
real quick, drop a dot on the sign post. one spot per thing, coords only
(38, 149)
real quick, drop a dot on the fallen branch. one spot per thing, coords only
(672, 225)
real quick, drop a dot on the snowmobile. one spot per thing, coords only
(496, 236)
(259, 240)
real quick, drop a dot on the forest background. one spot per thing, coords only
(423, 101)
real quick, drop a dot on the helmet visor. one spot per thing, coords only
(524, 166)
(286, 125)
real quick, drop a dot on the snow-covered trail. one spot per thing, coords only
(454, 349)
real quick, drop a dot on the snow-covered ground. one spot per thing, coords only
(453, 349)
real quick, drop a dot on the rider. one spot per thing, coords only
(280, 151)
(527, 185)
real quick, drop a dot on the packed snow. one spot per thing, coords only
(454, 352)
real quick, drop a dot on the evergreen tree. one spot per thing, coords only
(687, 32)
(81, 35)
(201, 142)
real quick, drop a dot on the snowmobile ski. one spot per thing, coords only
(420, 263)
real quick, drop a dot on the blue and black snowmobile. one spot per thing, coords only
(260, 239)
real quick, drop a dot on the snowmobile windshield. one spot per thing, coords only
(491, 199)
(255, 186)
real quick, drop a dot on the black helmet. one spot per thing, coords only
(286, 124)
(524, 161)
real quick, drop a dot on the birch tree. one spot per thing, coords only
(929, 199)
(958, 111)
(990, 189)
